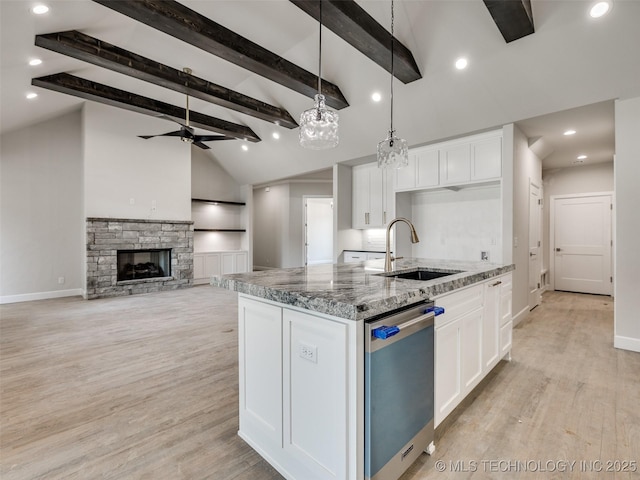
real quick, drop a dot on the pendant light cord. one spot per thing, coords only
(320, 52)
(392, 72)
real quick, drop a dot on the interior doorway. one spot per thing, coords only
(535, 245)
(318, 230)
(581, 243)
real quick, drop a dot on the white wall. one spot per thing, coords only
(526, 167)
(565, 181)
(120, 167)
(458, 225)
(627, 221)
(209, 180)
(42, 218)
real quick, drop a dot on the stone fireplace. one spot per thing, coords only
(128, 256)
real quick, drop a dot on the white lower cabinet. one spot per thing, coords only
(206, 264)
(295, 392)
(471, 337)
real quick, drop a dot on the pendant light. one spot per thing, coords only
(319, 125)
(392, 151)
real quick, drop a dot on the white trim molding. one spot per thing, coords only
(28, 297)
(626, 343)
(521, 315)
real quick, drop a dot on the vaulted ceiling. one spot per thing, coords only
(571, 60)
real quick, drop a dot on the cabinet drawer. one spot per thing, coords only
(459, 303)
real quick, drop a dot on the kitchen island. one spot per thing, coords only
(301, 352)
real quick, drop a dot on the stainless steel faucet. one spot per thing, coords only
(414, 239)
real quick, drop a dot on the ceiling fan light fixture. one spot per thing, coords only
(393, 152)
(319, 125)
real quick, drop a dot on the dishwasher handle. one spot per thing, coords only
(383, 332)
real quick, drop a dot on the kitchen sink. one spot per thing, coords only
(422, 274)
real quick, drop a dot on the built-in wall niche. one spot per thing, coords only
(218, 224)
(458, 224)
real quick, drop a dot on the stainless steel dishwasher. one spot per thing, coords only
(399, 399)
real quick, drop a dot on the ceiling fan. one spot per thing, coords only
(186, 133)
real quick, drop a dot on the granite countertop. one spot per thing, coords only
(357, 291)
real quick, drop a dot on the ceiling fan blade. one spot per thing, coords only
(202, 145)
(210, 138)
(169, 134)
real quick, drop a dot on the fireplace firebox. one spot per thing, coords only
(139, 264)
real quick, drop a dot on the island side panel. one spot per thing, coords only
(319, 386)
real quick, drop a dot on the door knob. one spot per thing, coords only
(558, 249)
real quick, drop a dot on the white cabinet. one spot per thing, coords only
(372, 196)
(455, 164)
(206, 264)
(473, 159)
(486, 159)
(423, 170)
(354, 257)
(295, 395)
(471, 337)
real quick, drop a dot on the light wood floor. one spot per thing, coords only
(145, 387)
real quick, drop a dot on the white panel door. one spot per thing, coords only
(535, 264)
(447, 369)
(582, 243)
(198, 266)
(455, 165)
(487, 159)
(471, 350)
(212, 264)
(428, 168)
(318, 230)
(228, 263)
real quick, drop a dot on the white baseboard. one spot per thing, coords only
(28, 297)
(257, 268)
(521, 315)
(627, 343)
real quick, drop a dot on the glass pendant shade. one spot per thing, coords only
(319, 126)
(393, 152)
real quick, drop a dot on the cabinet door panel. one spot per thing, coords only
(455, 165)
(212, 264)
(506, 332)
(487, 159)
(405, 178)
(315, 393)
(376, 196)
(471, 350)
(360, 196)
(241, 262)
(260, 364)
(428, 168)
(447, 369)
(198, 267)
(228, 263)
(491, 326)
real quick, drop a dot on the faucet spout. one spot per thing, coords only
(388, 259)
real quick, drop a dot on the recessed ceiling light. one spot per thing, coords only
(581, 157)
(599, 9)
(275, 135)
(461, 63)
(245, 147)
(31, 95)
(570, 132)
(35, 61)
(40, 9)
(376, 97)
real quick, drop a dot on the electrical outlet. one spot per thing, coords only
(60, 280)
(308, 352)
(484, 256)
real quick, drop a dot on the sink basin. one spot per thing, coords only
(421, 275)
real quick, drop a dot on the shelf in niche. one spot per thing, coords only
(219, 230)
(217, 202)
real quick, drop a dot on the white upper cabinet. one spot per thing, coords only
(486, 159)
(372, 197)
(462, 161)
(455, 167)
(423, 170)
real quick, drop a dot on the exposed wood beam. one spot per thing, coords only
(513, 17)
(353, 24)
(89, 49)
(189, 26)
(96, 92)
